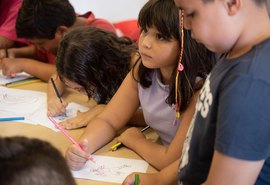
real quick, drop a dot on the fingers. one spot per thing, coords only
(55, 107)
(76, 157)
(129, 180)
(9, 67)
(81, 120)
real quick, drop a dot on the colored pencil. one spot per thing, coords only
(23, 80)
(56, 91)
(12, 119)
(23, 83)
(67, 135)
(136, 179)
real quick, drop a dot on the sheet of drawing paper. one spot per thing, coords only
(20, 102)
(19, 76)
(110, 169)
(33, 106)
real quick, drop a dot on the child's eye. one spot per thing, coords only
(160, 37)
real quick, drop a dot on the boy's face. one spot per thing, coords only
(210, 23)
(46, 44)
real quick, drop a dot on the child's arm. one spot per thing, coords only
(167, 176)
(54, 105)
(23, 52)
(5, 42)
(156, 154)
(137, 119)
(227, 170)
(104, 127)
(35, 68)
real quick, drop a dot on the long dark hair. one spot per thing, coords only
(197, 60)
(91, 56)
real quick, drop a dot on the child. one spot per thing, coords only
(44, 23)
(150, 84)
(8, 14)
(230, 134)
(25, 161)
(94, 62)
(230, 137)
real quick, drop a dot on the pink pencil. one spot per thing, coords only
(67, 135)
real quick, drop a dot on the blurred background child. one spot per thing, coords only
(25, 161)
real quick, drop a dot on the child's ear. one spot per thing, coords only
(233, 6)
(61, 31)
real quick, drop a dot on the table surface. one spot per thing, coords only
(58, 140)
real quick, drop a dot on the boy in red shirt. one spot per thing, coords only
(44, 23)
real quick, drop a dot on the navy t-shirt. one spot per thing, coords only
(232, 116)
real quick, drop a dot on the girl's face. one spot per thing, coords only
(210, 23)
(156, 51)
(74, 86)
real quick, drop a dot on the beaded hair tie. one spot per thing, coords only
(180, 67)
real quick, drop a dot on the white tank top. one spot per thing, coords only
(157, 113)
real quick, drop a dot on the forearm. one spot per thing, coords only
(5, 42)
(38, 69)
(169, 175)
(98, 133)
(154, 153)
(24, 52)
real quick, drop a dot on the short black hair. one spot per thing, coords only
(25, 161)
(41, 18)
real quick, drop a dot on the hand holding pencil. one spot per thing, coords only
(4, 59)
(129, 137)
(11, 66)
(77, 149)
(56, 104)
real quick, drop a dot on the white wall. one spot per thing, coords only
(112, 10)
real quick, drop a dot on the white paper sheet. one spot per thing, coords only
(110, 169)
(19, 76)
(33, 106)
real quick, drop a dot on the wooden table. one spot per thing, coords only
(57, 139)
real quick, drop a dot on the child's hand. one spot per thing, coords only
(131, 136)
(130, 179)
(76, 157)
(55, 107)
(11, 54)
(143, 178)
(82, 118)
(11, 66)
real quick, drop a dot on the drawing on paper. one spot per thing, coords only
(113, 171)
(9, 99)
(110, 169)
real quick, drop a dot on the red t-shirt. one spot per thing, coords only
(49, 57)
(8, 15)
